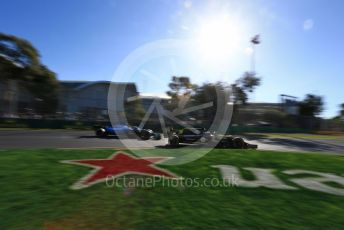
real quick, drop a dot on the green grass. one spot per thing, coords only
(301, 136)
(35, 194)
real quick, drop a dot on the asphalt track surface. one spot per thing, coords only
(34, 139)
(71, 139)
(298, 144)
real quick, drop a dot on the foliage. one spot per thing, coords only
(18, 52)
(182, 91)
(312, 105)
(179, 87)
(341, 112)
(20, 61)
(244, 85)
(210, 92)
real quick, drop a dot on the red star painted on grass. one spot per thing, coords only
(117, 165)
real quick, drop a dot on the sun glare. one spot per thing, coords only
(218, 38)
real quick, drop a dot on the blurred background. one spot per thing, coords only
(281, 66)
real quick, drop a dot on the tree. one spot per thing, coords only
(341, 112)
(180, 91)
(180, 86)
(43, 85)
(215, 96)
(17, 57)
(244, 85)
(312, 105)
(20, 62)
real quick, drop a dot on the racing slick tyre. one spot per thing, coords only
(101, 133)
(145, 135)
(157, 136)
(239, 143)
(225, 143)
(203, 140)
(174, 140)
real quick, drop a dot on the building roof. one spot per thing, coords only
(78, 85)
(154, 95)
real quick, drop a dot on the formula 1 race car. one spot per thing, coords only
(127, 131)
(190, 136)
(232, 142)
(202, 136)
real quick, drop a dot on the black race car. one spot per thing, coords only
(203, 136)
(232, 142)
(190, 136)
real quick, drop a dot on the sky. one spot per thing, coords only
(148, 41)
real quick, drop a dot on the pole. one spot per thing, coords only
(254, 41)
(253, 59)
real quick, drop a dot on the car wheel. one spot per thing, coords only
(101, 133)
(157, 136)
(225, 143)
(174, 140)
(203, 139)
(239, 143)
(145, 135)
